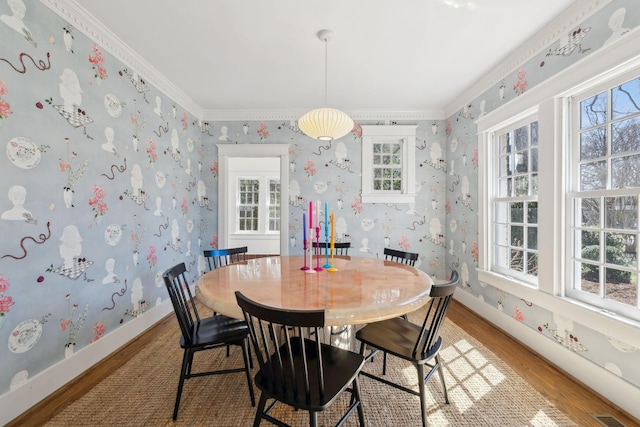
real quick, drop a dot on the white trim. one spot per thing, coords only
(385, 116)
(603, 382)
(225, 151)
(14, 402)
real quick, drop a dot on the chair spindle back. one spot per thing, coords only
(184, 305)
(288, 348)
(441, 295)
(217, 258)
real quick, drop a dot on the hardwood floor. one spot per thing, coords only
(570, 396)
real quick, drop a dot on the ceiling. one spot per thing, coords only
(265, 55)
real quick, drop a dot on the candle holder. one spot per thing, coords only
(317, 267)
(333, 268)
(326, 246)
(304, 246)
(310, 246)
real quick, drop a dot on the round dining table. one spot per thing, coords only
(362, 290)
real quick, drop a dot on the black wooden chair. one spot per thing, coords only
(203, 333)
(217, 258)
(341, 248)
(418, 344)
(403, 257)
(296, 368)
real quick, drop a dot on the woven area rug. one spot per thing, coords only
(483, 391)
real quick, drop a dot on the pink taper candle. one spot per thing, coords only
(310, 215)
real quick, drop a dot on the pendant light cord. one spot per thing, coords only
(326, 68)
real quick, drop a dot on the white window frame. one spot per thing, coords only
(405, 135)
(275, 218)
(495, 196)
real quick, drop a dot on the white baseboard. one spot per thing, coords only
(15, 402)
(605, 383)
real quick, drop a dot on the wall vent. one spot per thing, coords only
(607, 420)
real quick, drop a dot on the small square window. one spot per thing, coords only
(388, 164)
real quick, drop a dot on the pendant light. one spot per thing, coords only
(325, 123)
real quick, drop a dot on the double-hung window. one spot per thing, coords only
(603, 198)
(515, 200)
(258, 205)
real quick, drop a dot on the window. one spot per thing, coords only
(388, 164)
(605, 184)
(258, 211)
(515, 201)
(274, 205)
(248, 206)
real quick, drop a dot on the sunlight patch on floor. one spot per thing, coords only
(542, 420)
(463, 402)
(469, 369)
(438, 418)
(493, 375)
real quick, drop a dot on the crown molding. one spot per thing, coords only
(579, 11)
(239, 115)
(83, 21)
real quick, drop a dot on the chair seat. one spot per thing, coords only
(340, 369)
(396, 336)
(218, 329)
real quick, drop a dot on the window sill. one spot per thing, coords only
(609, 324)
(388, 198)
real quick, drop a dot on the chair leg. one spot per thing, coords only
(423, 394)
(356, 392)
(384, 363)
(313, 419)
(245, 355)
(441, 372)
(184, 371)
(261, 404)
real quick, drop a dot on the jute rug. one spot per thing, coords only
(483, 391)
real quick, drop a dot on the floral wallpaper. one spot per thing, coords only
(108, 182)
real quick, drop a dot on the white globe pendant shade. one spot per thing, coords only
(325, 124)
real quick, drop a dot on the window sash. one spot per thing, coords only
(603, 225)
(514, 205)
